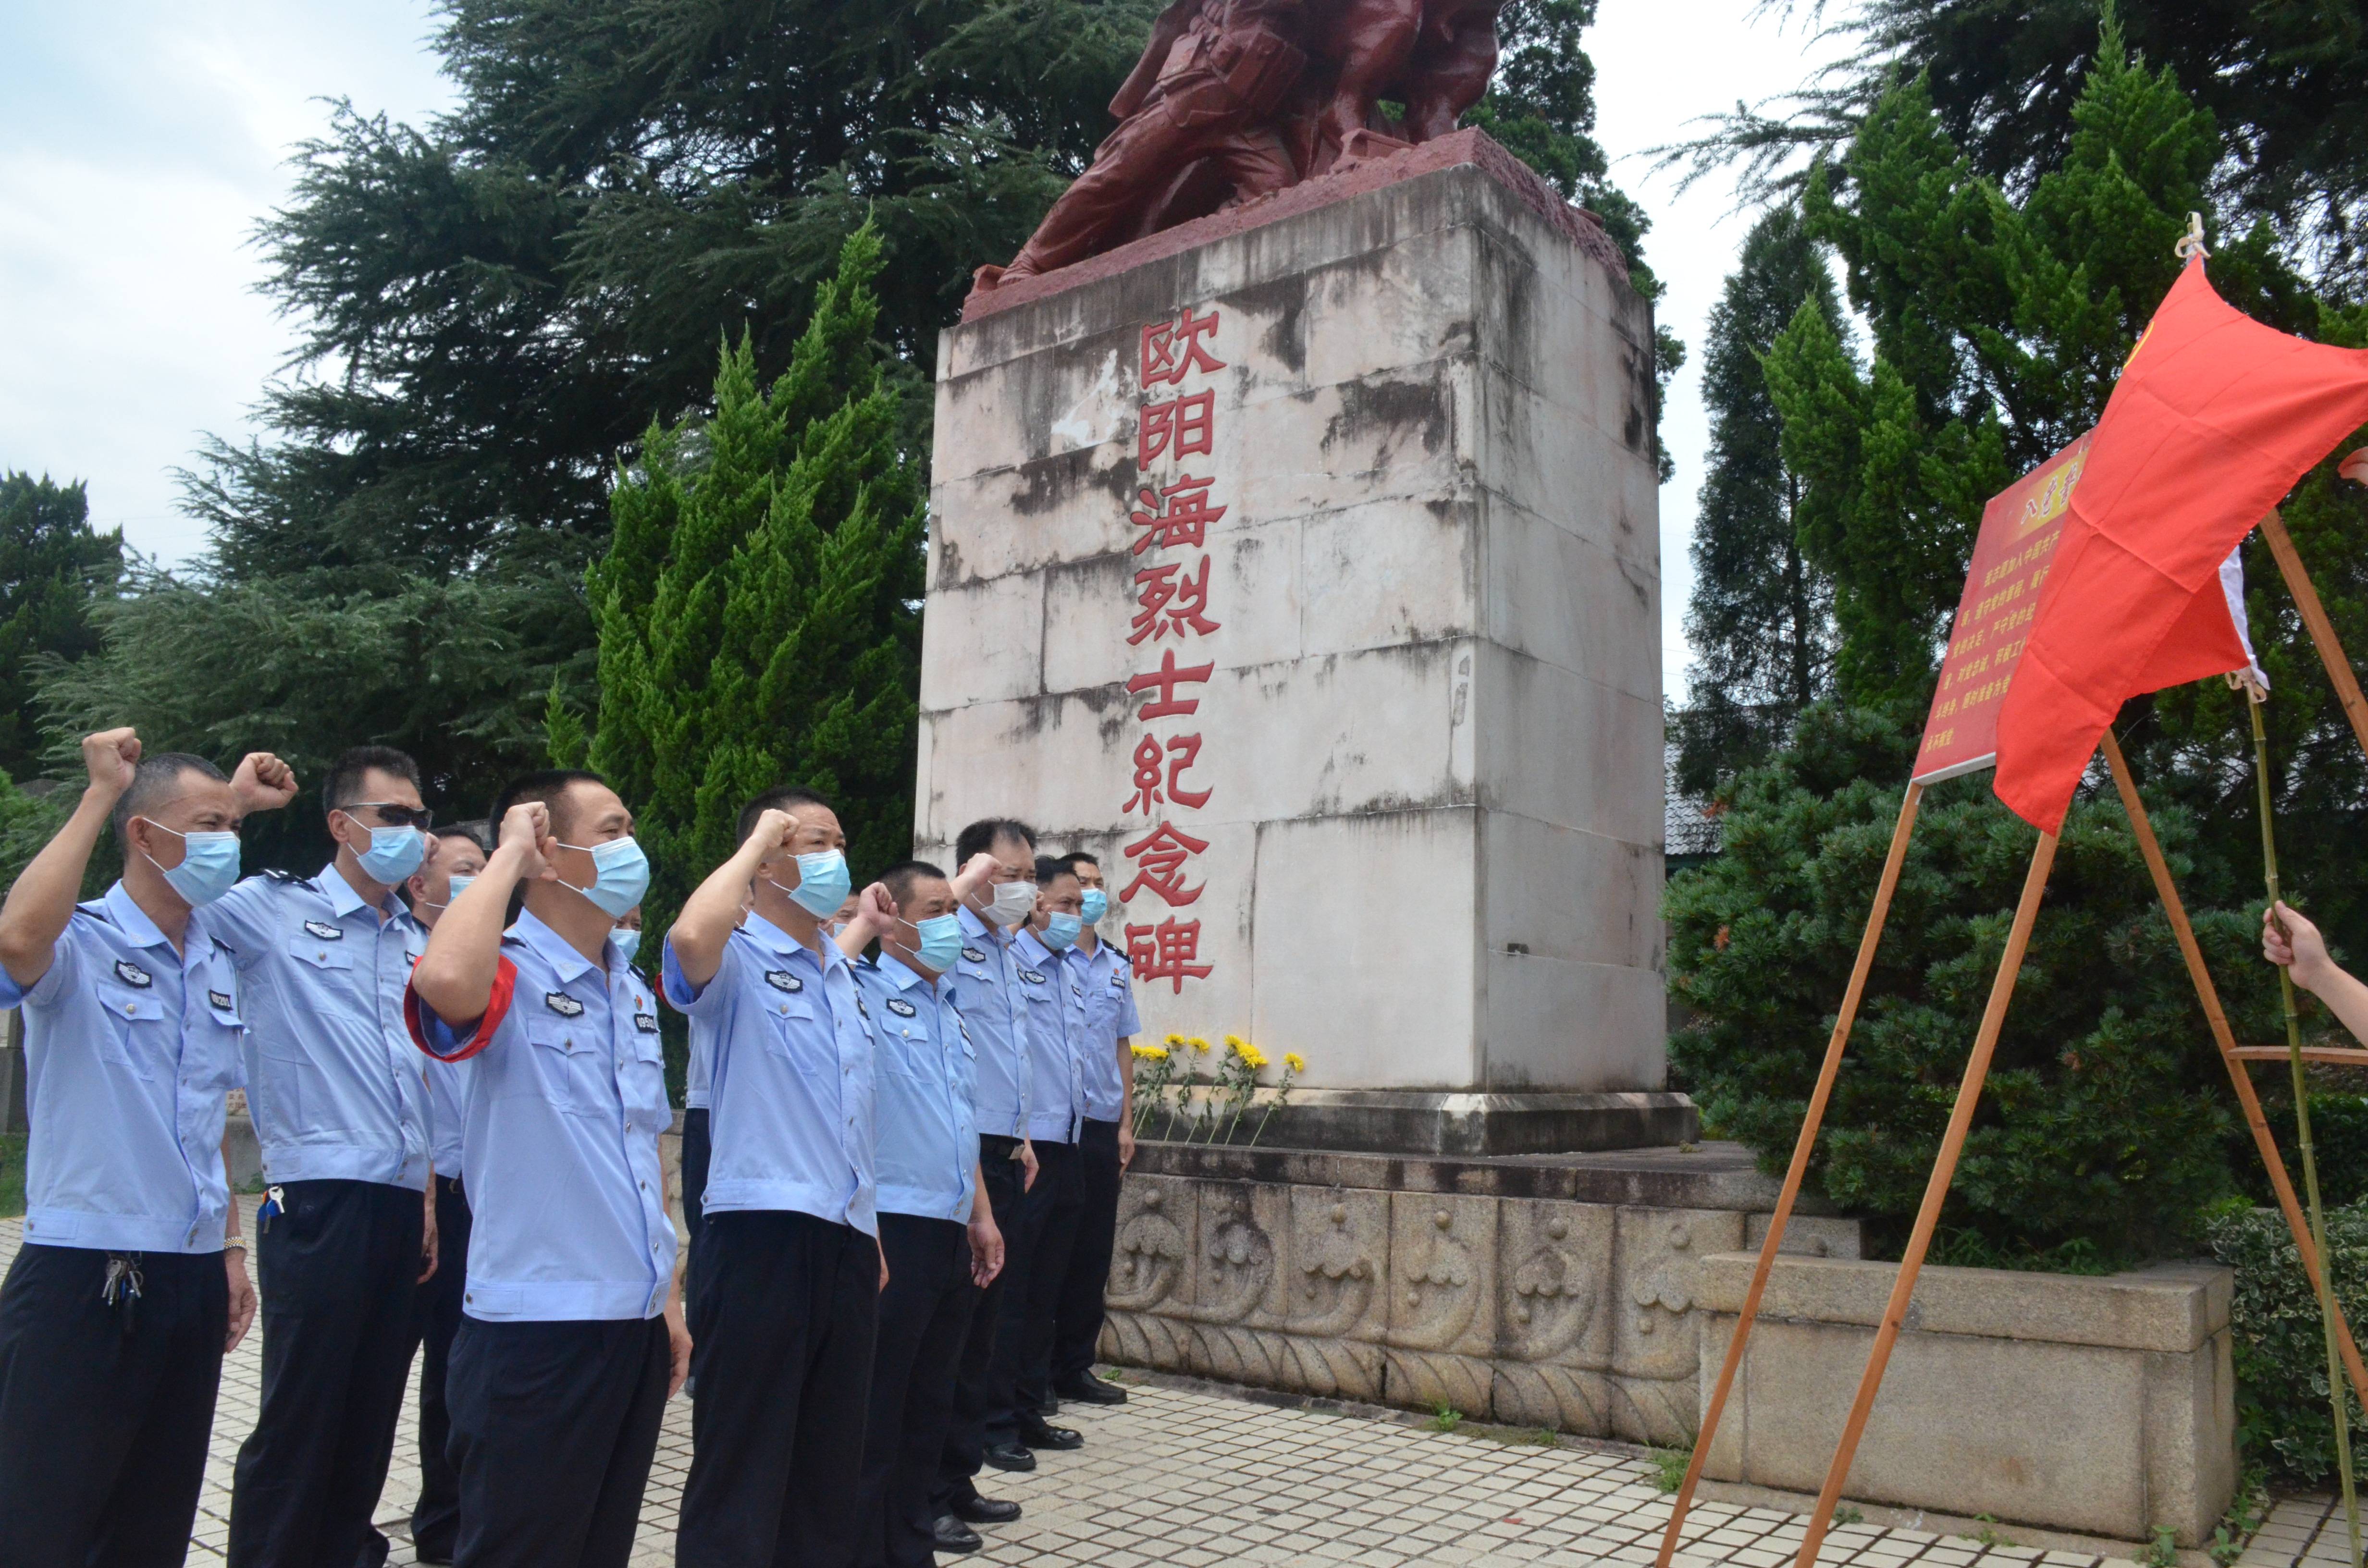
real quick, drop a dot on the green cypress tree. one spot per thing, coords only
(759, 606)
(1760, 619)
(51, 566)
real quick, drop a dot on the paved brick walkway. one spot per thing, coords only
(1199, 1479)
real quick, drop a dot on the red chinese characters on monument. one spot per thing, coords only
(1170, 523)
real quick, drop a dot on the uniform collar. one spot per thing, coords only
(1037, 954)
(1083, 959)
(973, 926)
(133, 922)
(553, 948)
(899, 974)
(344, 900)
(780, 943)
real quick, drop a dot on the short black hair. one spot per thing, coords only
(157, 780)
(549, 785)
(788, 798)
(1076, 857)
(342, 785)
(980, 836)
(475, 832)
(900, 877)
(1048, 868)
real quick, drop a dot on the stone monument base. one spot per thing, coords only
(1443, 1122)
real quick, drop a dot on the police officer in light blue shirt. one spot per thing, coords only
(571, 1338)
(789, 1270)
(937, 1228)
(348, 1228)
(1052, 1016)
(1004, 852)
(1105, 985)
(121, 1303)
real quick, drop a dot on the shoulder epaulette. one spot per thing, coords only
(277, 875)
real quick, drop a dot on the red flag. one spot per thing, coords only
(2215, 418)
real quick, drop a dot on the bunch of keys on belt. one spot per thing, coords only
(121, 1290)
(274, 1202)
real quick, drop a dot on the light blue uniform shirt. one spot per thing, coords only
(694, 1088)
(448, 1099)
(988, 995)
(130, 1049)
(789, 1077)
(332, 1080)
(1052, 1016)
(559, 1154)
(1107, 983)
(926, 1073)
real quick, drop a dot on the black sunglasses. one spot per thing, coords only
(395, 815)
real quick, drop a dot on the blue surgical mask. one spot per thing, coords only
(394, 853)
(1061, 932)
(209, 866)
(1097, 905)
(823, 883)
(942, 941)
(628, 940)
(452, 889)
(620, 875)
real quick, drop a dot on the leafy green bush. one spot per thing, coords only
(2106, 1120)
(2280, 1357)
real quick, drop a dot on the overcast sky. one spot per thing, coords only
(140, 143)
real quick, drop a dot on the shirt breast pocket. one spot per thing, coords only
(573, 1066)
(136, 1039)
(646, 1083)
(314, 953)
(799, 1034)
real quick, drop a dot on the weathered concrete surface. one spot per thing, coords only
(1431, 735)
(2098, 1404)
(1490, 1284)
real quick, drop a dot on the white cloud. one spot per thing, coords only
(146, 143)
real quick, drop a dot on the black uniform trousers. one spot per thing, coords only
(338, 1270)
(781, 1320)
(924, 1318)
(1077, 1319)
(105, 1411)
(973, 1374)
(553, 1428)
(1024, 1329)
(436, 1517)
(697, 1147)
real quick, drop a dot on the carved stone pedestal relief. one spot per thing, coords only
(1532, 1312)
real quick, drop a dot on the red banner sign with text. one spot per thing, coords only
(2012, 556)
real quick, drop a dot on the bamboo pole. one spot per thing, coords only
(2302, 1137)
(2322, 631)
(1927, 1217)
(1802, 1148)
(2231, 1054)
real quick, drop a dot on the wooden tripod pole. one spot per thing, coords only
(1802, 1148)
(1927, 1217)
(2322, 631)
(2238, 1079)
(2301, 1138)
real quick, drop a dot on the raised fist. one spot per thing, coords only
(263, 782)
(112, 757)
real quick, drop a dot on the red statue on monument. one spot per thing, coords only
(1236, 99)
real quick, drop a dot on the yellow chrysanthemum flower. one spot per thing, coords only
(1151, 1053)
(1198, 1044)
(1176, 1039)
(1295, 1062)
(1236, 1043)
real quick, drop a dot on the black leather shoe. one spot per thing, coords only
(1009, 1455)
(1038, 1433)
(986, 1510)
(1087, 1389)
(953, 1535)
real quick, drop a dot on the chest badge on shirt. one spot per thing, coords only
(782, 979)
(1031, 977)
(561, 1003)
(221, 999)
(133, 974)
(647, 1023)
(974, 955)
(324, 930)
(901, 1008)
